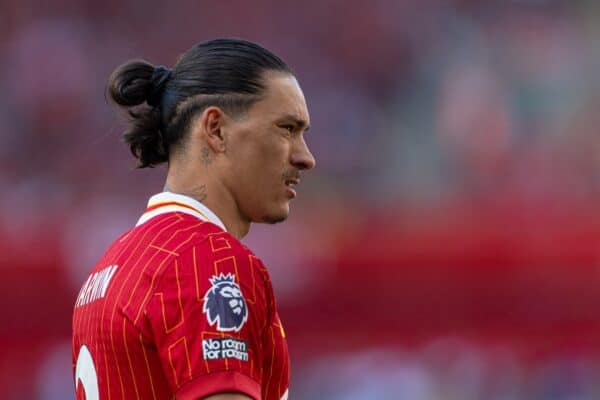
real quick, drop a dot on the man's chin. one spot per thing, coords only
(275, 218)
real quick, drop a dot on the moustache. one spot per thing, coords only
(291, 175)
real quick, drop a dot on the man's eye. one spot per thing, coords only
(289, 128)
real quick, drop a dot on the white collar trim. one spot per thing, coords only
(173, 202)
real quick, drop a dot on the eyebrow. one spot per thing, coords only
(298, 121)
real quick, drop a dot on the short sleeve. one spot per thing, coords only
(207, 317)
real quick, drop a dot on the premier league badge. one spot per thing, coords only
(224, 304)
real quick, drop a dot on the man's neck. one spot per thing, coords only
(218, 200)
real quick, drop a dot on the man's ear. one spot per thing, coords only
(212, 127)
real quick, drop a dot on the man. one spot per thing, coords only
(177, 307)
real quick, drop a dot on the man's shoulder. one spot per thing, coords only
(219, 243)
(218, 252)
(174, 232)
(178, 232)
(219, 247)
(198, 247)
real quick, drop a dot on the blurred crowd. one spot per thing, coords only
(449, 369)
(427, 105)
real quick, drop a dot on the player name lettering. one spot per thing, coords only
(221, 348)
(95, 286)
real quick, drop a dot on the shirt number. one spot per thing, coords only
(85, 374)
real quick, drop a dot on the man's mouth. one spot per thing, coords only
(292, 182)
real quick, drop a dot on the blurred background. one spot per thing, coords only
(447, 247)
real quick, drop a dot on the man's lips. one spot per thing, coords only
(291, 183)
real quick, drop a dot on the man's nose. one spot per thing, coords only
(302, 158)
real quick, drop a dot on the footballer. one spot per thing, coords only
(177, 307)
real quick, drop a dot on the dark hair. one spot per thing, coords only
(161, 102)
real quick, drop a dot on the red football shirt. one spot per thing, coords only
(178, 308)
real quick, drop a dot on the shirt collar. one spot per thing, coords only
(167, 202)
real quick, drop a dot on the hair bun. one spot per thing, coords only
(130, 83)
(158, 80)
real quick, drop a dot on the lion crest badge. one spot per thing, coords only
(224, 304)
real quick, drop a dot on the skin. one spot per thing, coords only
(238, 166)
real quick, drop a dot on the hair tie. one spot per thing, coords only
(159, 78)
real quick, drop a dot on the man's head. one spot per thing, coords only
(230, 112)
(259, 153)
